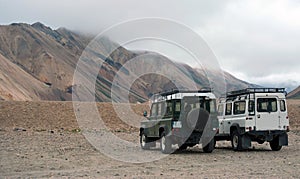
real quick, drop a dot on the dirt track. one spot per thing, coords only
(53, 145)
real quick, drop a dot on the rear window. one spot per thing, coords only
(190, 103)
(266, 105)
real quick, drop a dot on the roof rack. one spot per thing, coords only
(255, 90)
(163, 95)
(170, 92)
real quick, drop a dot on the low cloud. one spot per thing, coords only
(258, 41)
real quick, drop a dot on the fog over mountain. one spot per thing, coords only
(254, 40)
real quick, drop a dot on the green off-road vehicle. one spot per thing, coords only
(185, 118)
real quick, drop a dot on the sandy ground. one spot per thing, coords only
(42, 139)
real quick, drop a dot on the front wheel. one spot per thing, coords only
(275, 144)
(209, 147)
(144, 141)
(165, 144)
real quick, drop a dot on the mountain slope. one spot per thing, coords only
(44, 61)
(16, 84)
(295, 94)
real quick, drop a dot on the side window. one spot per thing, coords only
(239, 107)
(282, 106)
(212, 106)
(228, 109)
(220, 109)
(154, 110)
(266, 105)
(251, 107)
(169, 109)
(159, 109)
(177, 106)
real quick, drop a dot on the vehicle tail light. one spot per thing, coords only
(288, 128)
(175, 130)
(287, 117)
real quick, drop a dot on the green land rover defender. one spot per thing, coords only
(185, 118)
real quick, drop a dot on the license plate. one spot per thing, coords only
(177, 124)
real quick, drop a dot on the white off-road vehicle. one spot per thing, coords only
(254, 114)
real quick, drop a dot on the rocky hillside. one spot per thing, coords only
(295, 94)
(46, 55)
(38, 63)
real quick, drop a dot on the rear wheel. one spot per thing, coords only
(275, 144)
(236, 141)
(165, 144)
(209, 147)
(260, 141)
(183, 147)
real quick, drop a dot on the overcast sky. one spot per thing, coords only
(257, 41)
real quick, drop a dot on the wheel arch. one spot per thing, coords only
(162, 129)
(237, 127)
(142, 129)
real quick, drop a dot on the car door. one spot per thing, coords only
(267, 113)
(151, 127)
(283, 116)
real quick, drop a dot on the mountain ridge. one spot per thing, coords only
(50, 58)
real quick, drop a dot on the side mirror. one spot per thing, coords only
(145, 114)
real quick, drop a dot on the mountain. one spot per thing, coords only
(47, 56)
(295, 94)
(14, 84)
(38, 63)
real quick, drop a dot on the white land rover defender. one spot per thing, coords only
(254, 114)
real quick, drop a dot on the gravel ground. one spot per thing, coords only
(42, 140)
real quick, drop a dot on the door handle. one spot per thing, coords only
(229, 122)
(258, 116)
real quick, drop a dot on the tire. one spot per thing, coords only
(144, 141)
(183, 147)
(191, 145)
(165, 144)
(236, 141)
(260, 141)
(209, 147)
(275, 144)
